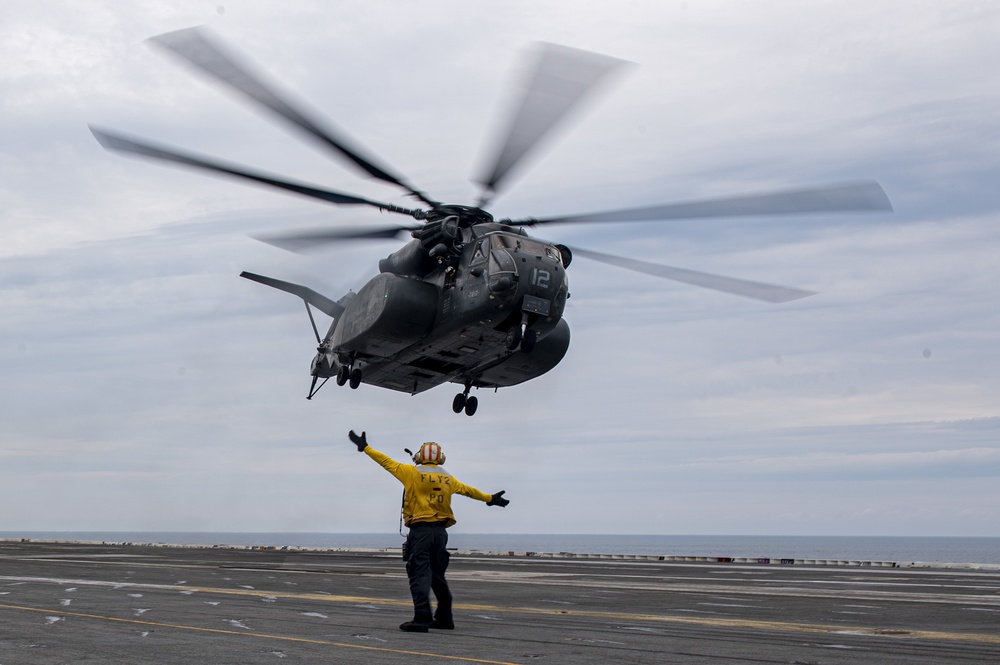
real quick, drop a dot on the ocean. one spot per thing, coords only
(900, 549)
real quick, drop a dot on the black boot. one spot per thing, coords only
(414, 627)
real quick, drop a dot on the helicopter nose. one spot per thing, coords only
(545, 277)
(547, 285)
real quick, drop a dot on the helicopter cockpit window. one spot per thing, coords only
(501, 261)
(501, 241)
(481, 252)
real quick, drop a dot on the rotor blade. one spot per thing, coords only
(304, 241)
(195, 47)
(317, 300)
(739, 287)
(860, 197)
(125, 144)
(561, 78)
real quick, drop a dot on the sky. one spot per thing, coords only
(146, 387)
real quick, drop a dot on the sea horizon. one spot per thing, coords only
(946, 549)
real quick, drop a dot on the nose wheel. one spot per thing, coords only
(465, 402)
(522, 336)
(529, 339)
(514, 337)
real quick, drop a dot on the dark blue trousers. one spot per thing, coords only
(428, 562)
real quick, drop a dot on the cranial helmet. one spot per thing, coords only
(429, 453)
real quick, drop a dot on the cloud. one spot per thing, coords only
(938, 464)
(147, 387)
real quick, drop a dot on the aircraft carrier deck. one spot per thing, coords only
(120, 603)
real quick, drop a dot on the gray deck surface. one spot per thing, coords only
(91, 603)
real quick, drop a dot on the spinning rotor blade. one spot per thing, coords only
(305, 241)
(194, 46)
(835, 198)
(739, 287)
(122, 143)
(561, 78)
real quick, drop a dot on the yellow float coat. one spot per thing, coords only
(428, 489)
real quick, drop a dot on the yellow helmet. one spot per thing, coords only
(429, 453)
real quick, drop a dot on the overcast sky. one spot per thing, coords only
(145, 386)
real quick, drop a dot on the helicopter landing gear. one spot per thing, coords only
(514, 337)
(522, 336)
(465, 402)
(348, 373)
(528, 342)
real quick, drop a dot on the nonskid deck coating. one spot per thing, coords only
(134, 603)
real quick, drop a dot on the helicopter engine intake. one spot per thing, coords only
(412, 259)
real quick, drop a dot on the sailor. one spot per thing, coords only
(427, 490)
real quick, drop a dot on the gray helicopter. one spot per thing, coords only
(470, 299)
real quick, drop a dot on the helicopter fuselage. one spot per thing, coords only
(483, 308)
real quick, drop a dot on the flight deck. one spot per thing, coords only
(127, 603)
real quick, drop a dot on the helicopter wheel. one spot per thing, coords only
(528, 343)
(471, 404)
(514, 338)
(458, 403)
(343, 375)
(355, 379)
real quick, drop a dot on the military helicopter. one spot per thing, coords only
(471, 299)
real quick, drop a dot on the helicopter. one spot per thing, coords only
(471, 299)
